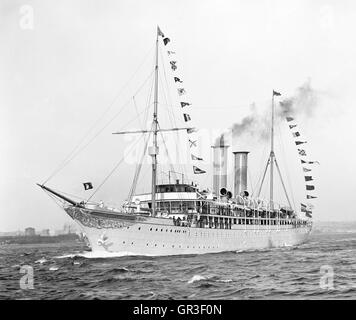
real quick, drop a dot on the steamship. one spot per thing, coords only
(177, 217)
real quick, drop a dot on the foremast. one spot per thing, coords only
(154, 149)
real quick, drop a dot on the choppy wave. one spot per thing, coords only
(196, 278)
(70, 272)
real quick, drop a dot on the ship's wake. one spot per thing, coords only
(99, 255)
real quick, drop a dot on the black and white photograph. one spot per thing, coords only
(177, 150)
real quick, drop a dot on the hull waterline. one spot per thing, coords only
(132, 235)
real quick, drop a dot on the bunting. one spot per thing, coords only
(308, 214)
(309, 162)
(191, 130)
(173, 65)
(186, 117)
(196, 158)
(160, 33)
(198, 170)
(311, 197)
(181, 91)
(192, 143)
(299, 142)
(192, 140)
(306, 209)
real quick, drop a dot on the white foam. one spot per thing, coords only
(41, 261)
(224, 280)
(196, 277)
(53, 268)
(102, 254)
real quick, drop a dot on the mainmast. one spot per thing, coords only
(271, 162)
(271, 156)
(154, 148)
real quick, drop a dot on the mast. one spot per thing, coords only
(154, 149)
(272, 160)
(272, 156)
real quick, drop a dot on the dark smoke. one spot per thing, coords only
(254, 125)
(302, 104)
(220, 142)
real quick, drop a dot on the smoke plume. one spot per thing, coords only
(302, 104)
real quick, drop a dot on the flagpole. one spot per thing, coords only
(154, 150)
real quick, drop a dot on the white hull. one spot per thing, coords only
(156, 237)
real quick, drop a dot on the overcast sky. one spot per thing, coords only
(60, 70)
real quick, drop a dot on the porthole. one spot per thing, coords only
(139, 228)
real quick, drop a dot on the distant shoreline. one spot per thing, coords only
(71, 237)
